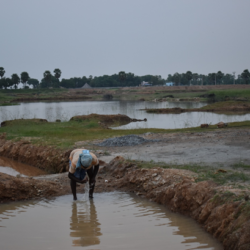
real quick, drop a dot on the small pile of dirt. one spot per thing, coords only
(127, 140)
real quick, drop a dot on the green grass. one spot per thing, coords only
(223, 105)
(65, 134)
(231, 93)
(241, 165)
(203, 172)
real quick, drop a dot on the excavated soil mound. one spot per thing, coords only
(46, 158)
(223, 212)
(10, 122)
(107, 119)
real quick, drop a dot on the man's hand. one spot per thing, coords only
(85, 180)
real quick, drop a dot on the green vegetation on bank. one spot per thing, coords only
(225, 105)
(221, 95)
(65, 134)
(233, 177)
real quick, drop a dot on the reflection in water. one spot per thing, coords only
(115, 221)
(84, 224)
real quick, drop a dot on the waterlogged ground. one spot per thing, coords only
(110, 221)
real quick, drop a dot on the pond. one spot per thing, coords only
(65, 110)
(111, 221)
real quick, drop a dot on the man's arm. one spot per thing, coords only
(96, 168)
(72, 177)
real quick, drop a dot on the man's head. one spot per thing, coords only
(86, 160)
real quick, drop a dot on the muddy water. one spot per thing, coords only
(110, 221)
(65, 110)
(15, 168)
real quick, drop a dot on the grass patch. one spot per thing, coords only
(241, 165)
(223, 105)
(65, 134)
(204, 172)
(231, 93)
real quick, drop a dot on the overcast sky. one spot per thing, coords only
(97, 37)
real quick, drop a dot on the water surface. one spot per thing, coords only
(65, 110)
(15, 168)
(110, 221)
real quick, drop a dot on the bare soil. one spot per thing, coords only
(223, 147)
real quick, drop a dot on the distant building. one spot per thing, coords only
(146, 84)
(169, 84)
(86, 86)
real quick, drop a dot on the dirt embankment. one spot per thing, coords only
(224, 214)
(107, 120)
(46, 158)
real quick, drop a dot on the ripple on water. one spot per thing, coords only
(109, 221)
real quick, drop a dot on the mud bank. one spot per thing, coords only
(223, 212)
(44, 157)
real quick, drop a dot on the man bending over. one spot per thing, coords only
(80, 162)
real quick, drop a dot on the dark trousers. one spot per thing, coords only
(91, 174)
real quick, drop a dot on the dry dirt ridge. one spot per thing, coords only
(225, 216)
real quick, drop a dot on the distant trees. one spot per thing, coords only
(122, 76)
(57, 73)
(33, 82)
(245, 75)
(219, 76)
(2, 72)
(46, 81)
(24, 78)
(15, 80)
(189, 76)
(5, 83)
(121, 79)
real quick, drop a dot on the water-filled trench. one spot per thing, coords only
(110, 221)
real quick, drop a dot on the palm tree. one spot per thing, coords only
(2, 71)
(24, 78)
(47, 77)
(15, 79)
(122, 76)
(57, 73)
(189, 76)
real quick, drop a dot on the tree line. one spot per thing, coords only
(218, 78)
(121, 79)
